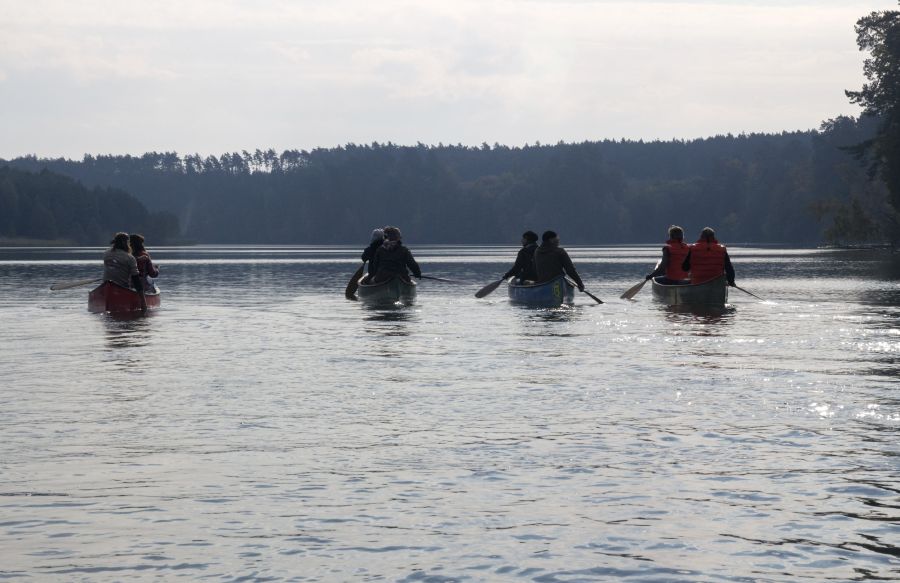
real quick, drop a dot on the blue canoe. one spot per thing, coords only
(550, 294)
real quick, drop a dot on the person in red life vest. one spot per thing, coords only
(146, 269)
(675, 251)
(708, 259)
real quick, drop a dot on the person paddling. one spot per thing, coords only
(551, 260)
(369, 253)
(674, 252)
(523, 268)
(392, 259)
(707, 259)
(146, 269)
(120, 267)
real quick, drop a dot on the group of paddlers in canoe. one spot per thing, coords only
(128, 277)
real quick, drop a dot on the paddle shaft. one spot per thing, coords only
(592, 296)
(749, 293)
(440, 279)
(71, 284)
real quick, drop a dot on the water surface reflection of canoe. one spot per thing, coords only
(550, 294)
(710, 293)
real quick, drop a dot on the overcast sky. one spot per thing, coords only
(211, 76)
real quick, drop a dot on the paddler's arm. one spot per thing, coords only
(569, 268)
(662, 266)
(729, 270)
(686, 264)
(412, 265)
(139, 287)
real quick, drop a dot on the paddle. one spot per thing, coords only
(71, 284)
(441, 279)
(748, 293)
(350, 292)
(489, 288)
(592, 296)
(633, 290)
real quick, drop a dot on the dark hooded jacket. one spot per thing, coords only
(551, 261)
(392, 259)
(369, 253)
(524, 265)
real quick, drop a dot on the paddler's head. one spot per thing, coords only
(392, 233)
(120, 241)
(676, 233)
(707, 234)
(549, 238)
(529, 237)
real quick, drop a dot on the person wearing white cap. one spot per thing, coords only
(369, 253)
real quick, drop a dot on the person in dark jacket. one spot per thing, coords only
(708, 259)
(551, 260)
(369, 253)
(524, 265)
(393, 259)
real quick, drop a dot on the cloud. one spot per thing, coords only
(207, 76)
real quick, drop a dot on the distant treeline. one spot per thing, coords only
(46, 206)
(789, 188)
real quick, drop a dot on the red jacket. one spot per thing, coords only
(707, 260)
(678, 250)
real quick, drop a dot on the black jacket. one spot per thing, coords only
(524, 266)
(551, 261)
(369, 253)
(392, 259)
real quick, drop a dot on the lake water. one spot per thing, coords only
(261, 427)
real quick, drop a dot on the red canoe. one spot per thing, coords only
(111, 297)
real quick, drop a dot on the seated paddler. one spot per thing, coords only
(368, 253)
(708, 259)
(523, 268)
(120, 266)
(393, 259)
(551, 261)
(147, 270)
(669, 271)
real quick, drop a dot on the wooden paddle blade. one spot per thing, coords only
(592, 296)
(350, 292)
(632, 291)
(59, 286)
(489, 288)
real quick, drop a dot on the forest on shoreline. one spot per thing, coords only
(793, 188)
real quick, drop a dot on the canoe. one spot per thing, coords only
(387, 292)
(710, 293)
(550, 294)
(111, 297)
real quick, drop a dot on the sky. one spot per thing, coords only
(214, 76)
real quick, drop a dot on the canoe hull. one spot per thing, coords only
(110, 297)
(550, 294)
(387, 292)
(710, 293)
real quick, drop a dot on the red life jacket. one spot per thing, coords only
(678, 250)
(707, 260)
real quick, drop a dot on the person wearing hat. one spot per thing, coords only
(551, 260)
(393, 259)
(369, 253)
(523, 268)
(121, 268)
(708, 259)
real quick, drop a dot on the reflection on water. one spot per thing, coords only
(271, 429)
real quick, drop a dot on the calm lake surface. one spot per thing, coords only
(261, 427)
